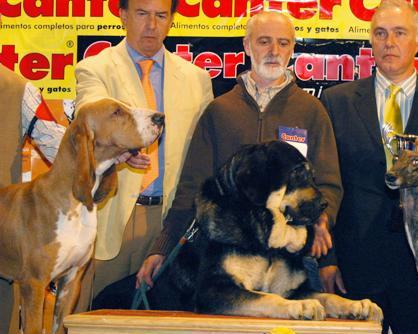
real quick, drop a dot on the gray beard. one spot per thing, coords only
(266, 73)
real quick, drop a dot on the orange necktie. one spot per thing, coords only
(151, 173)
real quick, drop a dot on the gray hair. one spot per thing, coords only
(252, 20)
(401, 4)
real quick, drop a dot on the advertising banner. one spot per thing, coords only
(40, 38)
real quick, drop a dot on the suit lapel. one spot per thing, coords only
(412, 125)
(128, 76)
(173, 77)
(365, 105)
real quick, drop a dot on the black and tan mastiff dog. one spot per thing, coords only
(255, 220)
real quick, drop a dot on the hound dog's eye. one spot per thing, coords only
(117, 112)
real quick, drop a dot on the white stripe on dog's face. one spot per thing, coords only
(148, 130)
(282, 235)
(274, 201)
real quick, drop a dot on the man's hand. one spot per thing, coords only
(322, 241)
(149, 269)
(140, 161)
(331, 277)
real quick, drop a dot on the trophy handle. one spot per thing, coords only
(389, 136)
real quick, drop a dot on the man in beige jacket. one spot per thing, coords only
(130, 219)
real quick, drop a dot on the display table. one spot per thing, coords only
(153, 322)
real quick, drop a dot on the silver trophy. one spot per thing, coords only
(402, 176)
(396, 142)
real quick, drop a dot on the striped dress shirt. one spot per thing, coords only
(404, 98)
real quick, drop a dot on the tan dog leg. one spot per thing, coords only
(339, 307)
(67, 295)
(15, 316)
(49, 305)
(33, 294)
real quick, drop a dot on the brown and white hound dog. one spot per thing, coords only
(48, 226)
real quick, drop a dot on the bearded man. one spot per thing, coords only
(264, 105)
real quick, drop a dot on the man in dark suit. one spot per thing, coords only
(370, 242)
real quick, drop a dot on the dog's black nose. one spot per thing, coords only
(158, 119)
(390, 178)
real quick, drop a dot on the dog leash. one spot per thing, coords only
(141, 293)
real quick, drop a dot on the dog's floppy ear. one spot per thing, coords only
(108, 184)
(82, 143)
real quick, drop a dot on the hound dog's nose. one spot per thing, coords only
(390, 178)
(158, 119)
